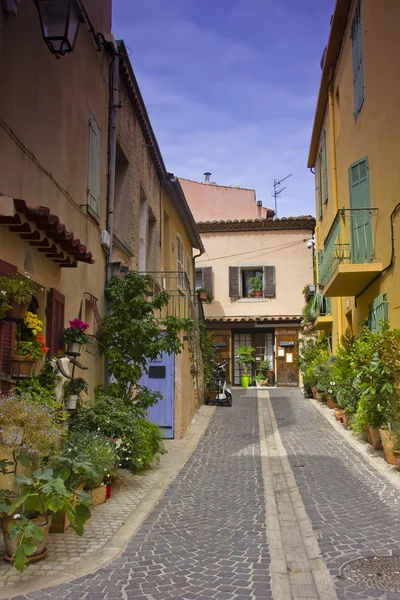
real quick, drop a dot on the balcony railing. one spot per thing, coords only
(177, 285)
(350, 241)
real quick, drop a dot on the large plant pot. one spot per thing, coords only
(72, 401)
(74, 349)
(347, 419)
(330, 401)
(388, 443)
(98, 495)
(245, 380)
(17, 312)
(375, 436)
(11, 543)
(22, 367)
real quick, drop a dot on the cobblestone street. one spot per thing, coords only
(352, 506)
(234, 524)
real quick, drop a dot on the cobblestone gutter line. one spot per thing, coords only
(351, 504)
(111, 525)
(297, 569)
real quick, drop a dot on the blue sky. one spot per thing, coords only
(230, 87)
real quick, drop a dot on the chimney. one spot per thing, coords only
(207, 176)
(259, 205)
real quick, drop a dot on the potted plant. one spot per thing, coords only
(73, 390)
(256, 286)
(74, 336)
(245, 357)
(16, 292)
(26, 516)
(204, 295)
(99, 451)
(29, 347)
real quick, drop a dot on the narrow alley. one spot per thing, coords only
(232, 525)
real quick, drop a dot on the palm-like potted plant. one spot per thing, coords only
(16, 292)
(204, 295)
(256, 286)
(75, 336)
(73, 390)
(245, 357)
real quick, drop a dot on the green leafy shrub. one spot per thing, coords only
(137, 442)
(98, 451)
(209, 357)
(313, 352)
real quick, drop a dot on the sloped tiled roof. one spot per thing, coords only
(302, 222)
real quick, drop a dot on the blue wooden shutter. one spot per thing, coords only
(358, 77)
(361, 226)
(93, 199)
(324, 167)
(318, 188)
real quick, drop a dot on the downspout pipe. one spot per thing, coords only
(112, 145)
(334, 181)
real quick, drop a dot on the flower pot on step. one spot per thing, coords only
(347, 417)
(330, 401)
(397, 457)
(338, 414)
(98, 495)
(375, 438)
(388, 443)
(245, 380)
(11, 543)
(314, 392)
(59, 523)
(367, 434)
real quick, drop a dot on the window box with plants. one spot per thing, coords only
(256, 286)
(75, 337)
(29, 347)
(16, 293)
(245, 358)
(72, 391)
(204, 295)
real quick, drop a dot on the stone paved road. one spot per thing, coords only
(206, 538)
(354, 508)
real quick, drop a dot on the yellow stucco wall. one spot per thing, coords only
(373, 134)
(44, 151)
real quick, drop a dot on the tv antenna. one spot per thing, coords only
(278, 191)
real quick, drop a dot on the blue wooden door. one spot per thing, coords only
(160, 378)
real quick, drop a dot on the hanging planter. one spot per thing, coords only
(74, 349)
(75, 337)
(17, 312)
(22, 367)
(72, 402)
(16, 294)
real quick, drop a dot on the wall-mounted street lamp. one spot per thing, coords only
(60, 20)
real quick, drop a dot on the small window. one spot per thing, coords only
(240, 284)
(247, 275)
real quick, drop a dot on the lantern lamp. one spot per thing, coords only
(60, 20)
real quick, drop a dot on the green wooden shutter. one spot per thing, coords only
(378, 312)
(319, 186)
(94, 167)
(358, 77)
(361, 226)
(324, 166)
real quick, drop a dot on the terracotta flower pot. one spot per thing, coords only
(314, 392)
(347, 419)
(375, 438)
(11, 543)
(388, 443)
(338, 414)
(367, 433)
(397, 457)
(330, 401)
(203, 296)
(258, 293)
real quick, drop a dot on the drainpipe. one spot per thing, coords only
(112, 151)
(112, 145)
(334, 182)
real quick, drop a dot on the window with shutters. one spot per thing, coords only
(361, 239)
(55, 321)
(93, 187)
(356, 43)
(378, 313)
(318, 189)
(203, 279)
(6, 339)
(180, 265)
(239, 277)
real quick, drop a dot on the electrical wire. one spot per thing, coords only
(273, 248)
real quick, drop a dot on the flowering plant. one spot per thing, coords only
(76, 332)
(29, 343)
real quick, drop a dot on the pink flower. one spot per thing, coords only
(78, 324)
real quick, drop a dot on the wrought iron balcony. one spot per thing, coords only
(177, 285)
(348, 262)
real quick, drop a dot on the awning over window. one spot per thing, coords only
(43, 230)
